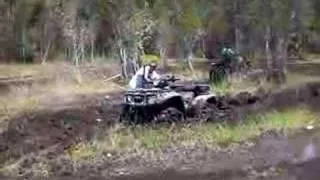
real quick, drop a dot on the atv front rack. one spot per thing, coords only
(143, 97)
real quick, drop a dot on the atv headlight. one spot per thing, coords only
(128, 99)
(152, 99)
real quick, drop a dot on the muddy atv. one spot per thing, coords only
(219, 71)
(168, 101)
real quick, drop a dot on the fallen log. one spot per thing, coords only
(112, 77)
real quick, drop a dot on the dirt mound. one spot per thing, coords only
(244, 104)
(41, 131)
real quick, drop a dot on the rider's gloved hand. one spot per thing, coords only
(155, 83)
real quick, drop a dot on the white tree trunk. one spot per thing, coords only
(163, 57)
(268, 51)
(92, 49)
(189, 62)
(280, 60)
(45, 55)
(123, 58)
(238, 32)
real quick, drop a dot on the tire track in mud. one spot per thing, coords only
(57, 125)
(59, 129)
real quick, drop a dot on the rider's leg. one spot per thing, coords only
(140, 82)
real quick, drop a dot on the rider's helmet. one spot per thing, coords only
(153, 65)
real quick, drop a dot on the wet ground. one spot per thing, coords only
(47, 134)
(63, 121)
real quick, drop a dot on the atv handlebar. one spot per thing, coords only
(164, 82)
(171, 78)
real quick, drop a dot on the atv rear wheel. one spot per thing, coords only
(217, 74)
(206, 112)
(213, 112)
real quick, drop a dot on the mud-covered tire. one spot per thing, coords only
(217, 75)
(215, 112)
(169, 115)
(129, 116)
(207, 112)
(211, 112)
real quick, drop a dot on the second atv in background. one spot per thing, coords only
(229, 62)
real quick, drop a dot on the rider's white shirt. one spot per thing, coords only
(133, 81)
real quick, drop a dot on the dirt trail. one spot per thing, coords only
(54, 131)
(59, 123)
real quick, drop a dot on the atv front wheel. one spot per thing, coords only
(170, 115)
(129, 115)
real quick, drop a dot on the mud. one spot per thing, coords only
(245, 103)
(271, 157)
(58, 126)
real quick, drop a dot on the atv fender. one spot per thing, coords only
(202, 99)
(172, 99)
(170, 95)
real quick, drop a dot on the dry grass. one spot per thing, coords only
(210, 135)
(295, 79)
(10, 70)
(29, 99)
(49, 69)
(38, 169)
(64, 82)
(9, 106)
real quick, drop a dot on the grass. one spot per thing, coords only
(235, 85)
(9, 70)
(64, 82)
(295, 79)
(29, 99)
(211, 135)
(10, 107)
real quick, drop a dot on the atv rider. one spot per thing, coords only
(228, 57)
(228, 63)
(145, 75)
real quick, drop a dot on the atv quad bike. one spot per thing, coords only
(220, 71)
(168, 101)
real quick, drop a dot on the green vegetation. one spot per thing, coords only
(211, 134)
(149, 58)
(221, 88)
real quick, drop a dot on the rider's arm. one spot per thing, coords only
(155, 75)
(146, 73)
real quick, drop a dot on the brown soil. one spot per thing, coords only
(56, 126)
(63, 121)
(50, 132)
